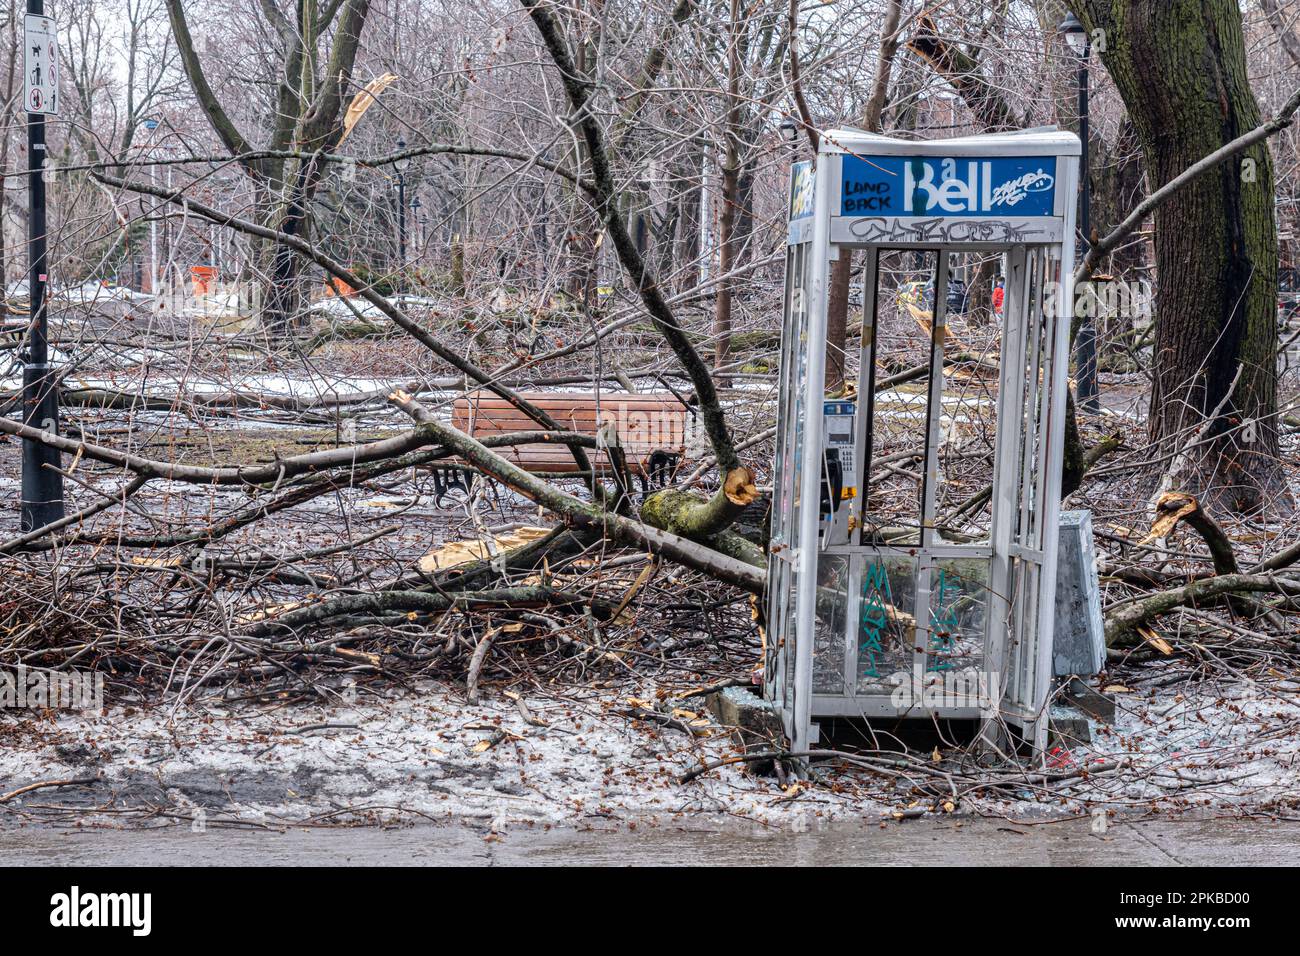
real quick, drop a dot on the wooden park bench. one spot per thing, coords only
(652, 429)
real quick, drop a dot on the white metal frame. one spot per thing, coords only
(1036, 249)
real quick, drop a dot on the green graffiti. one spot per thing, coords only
(874, 619)
(943, 626)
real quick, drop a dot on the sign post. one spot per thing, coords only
(42, 486)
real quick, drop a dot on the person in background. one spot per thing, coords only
(998, 294)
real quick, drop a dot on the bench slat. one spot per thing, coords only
(646, 422)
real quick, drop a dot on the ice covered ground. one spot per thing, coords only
(423, 754)
(426, 754)
(136, 375)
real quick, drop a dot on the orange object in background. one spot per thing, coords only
(338, 287)
(203, 277)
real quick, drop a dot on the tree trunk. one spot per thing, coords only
(979, 302)
(693, 213)
(837, 303)
(837, 320)
(730, 197)
(1180, 67)
(1116, 189)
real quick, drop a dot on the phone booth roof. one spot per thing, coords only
(988, 191)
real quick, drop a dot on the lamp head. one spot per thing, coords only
(1075, 35)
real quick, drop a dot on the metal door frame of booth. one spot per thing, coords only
(1016, 550)
(1012, 451)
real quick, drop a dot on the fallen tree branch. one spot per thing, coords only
(71, 782)
(581, 516)
(412, 601)
(20, 542)
(476, 664)
(1175, 506)
(1123, 620)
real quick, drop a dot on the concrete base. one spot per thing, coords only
(1092, 702)
(1067, 728)
(754, 723)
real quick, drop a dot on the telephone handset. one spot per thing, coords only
(838, 484)
(832, 484)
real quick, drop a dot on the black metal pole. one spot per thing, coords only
(1086, 340)
(401, 221)
(42, 487)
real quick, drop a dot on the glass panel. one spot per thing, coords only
(968, 424)
(886, 624)
(959, 606)
(796, 263)
(830, 643)
(1033, 325)
(1048, 319)
(843, 363)
(1022, 630)
(789, 642)
(897, 417)
(798, 376)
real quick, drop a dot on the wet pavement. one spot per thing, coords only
(1212, 842)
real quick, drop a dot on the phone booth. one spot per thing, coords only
(913, 547)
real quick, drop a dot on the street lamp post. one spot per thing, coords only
(1086, 338)
(418, 221)
(150, 124)
(400, 165)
